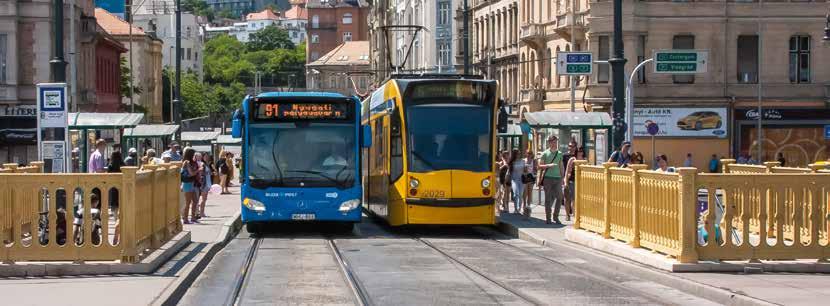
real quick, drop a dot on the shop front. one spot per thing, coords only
(699, 131)
(18, 133)
(798, 134)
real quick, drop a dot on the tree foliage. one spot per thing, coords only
(124, 85)
(270, 38)
(198, 8)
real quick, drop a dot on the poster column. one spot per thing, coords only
(52, 126)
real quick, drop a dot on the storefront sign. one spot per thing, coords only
(783, 114)
(681, 122)
(24, 110)
(52, 126)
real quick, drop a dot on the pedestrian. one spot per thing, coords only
(97, 163)
(504, 181)
(622, 156)
(551, 165)
(781, 159)
(173, 152)
(742, 159)
(532, 167)
(570, 176)
(637, 158)
(152, 159)
(132, 158)
(714, 164)
(223, 168)
(115, 165)
(663, 164)
(189, 174)
(517, 170)
(688, 162)
(207, 182)
(76, 160)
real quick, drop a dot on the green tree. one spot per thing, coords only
(124, 86)
(270, 38)
(222, 59)
(198, 7)
(195, 97)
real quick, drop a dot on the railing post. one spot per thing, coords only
(129, 253)
(635, 204)
(175, 190)
(606, 199)
(771, 164)
(38, 165)
(154, 240)
(577, 183)
(724, 164)
(11, 167)
(687, 215)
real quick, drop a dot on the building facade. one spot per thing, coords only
(235, 7)
(495, 45)
(107, 74)
(334, 22)
(343, 70)
(160, 15)
(26, 47)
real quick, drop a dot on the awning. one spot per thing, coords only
(151, 130)
(553, 119)
(199, 136)
(227, 139)
(513, 130)
(104, 120)
(202, 148)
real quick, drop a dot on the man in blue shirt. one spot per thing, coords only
(172, 153)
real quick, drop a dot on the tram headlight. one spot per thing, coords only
(349, 205)
(254, 205)
(485, 183)
(414, 183)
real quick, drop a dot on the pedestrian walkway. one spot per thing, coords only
(128, 289)
(776, 288)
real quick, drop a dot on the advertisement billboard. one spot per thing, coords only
(682, 121)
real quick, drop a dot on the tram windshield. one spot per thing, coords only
(302, 154)
(449, 136)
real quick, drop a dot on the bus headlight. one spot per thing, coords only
(254, 205)
(414, 183)
(349, 205)
(485, 183)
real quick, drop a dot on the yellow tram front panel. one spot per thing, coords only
(450, 197)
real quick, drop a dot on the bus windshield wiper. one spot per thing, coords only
(337, 183)
(274, 157)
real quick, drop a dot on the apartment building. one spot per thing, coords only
(334, 22)
(495, 44)
(160, 15)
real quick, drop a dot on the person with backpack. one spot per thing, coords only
(622, 156)
(189, 175)
(551, 178)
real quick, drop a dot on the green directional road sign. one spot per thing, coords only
(574, 63)
(680, 61)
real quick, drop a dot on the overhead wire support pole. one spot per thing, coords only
(618, 78)
(466, 38)
(629, 101)
(178, 92)
(58, 64)
(759, 128)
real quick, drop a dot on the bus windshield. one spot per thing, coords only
(449, 136)
(302, 154)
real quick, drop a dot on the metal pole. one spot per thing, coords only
(760, 88)
(73, 60)
(572, 78)
(57, 63)
(618, 77)
(177, 93)
(629, 100)
(466, 39)
(132, 73)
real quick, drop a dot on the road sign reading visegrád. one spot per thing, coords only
(680, 61)
(574, 63)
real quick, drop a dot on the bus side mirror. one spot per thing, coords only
(501, 122)
(236, 125)
(366, 132)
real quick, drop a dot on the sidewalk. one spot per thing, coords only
(142, 289)
(745, 289)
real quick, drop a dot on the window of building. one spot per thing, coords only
(332, 82)
(315, 55)
(347, 18)
(641, 56)
(347, 36)
(686, 42)
(603, 54)
(196, 55)
(315, 38)
(748, 59)
(444, 13)
(800, 59)
(188, 32)
(188, 54)
(444, 53)
(315, 22)
(3, 57)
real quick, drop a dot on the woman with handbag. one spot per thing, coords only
(516, 173)
(569, 182)
(530, 180)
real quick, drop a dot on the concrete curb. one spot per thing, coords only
(147, 265)
(609, 261)
(175, 291)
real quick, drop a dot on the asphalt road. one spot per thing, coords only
(417, 266)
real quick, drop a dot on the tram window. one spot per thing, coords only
(396, 161)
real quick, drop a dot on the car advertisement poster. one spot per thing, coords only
(682, 122)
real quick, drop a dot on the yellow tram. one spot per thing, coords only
(433, 158)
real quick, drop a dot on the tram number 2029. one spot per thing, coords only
(435, 194)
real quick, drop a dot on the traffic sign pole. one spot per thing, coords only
(629, 101)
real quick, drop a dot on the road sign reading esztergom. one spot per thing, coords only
(574, 63)
(680, 61)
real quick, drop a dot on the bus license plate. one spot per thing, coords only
(302, 217)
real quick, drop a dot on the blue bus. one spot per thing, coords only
(300, 158)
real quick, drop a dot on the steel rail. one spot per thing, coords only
(242, 278)
(356, 287)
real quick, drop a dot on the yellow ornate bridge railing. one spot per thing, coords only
(88, 217)
(775, 214)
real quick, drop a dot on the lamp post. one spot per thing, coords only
(618, 78)
(58, 64)
(177, 103)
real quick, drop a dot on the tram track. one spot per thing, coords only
(241, 280)
(360, 294)
(502, 285)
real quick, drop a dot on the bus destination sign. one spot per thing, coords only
(301, 111)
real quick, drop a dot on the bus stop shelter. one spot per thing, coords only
(512, 139)
(86, 128)
(200, 141)
(592, 130)
(149, 136)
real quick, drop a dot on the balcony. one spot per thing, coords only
(568, 23)
(533, 34)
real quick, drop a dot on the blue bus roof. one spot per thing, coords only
(304, 94)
